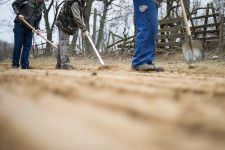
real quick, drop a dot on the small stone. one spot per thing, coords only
(191, 67)
(94, 74)
(215, 57)
(46, 73)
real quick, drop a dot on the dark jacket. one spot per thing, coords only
(31, 11)
(70, 17)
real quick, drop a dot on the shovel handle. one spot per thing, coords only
(40, 34)
(188, 30)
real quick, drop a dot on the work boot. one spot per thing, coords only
(57, 66)
(68, 67)
(15, 67)
(147, 67)
(27, 67)
(159, 69)
(144, 67)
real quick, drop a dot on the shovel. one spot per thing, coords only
(193, 49)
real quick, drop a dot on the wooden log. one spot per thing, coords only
(206, 20)
(163, 44)
(221, 34)
(209, 38)
(208, 31)
(128, 38)
(169, 21)
(212, 44)
(128, 42)
(192, 23)
(169, 36)
(177, 28)
(205, 16)
(117, 36)
(124, 42)
(40, 44)
(208, 25)
(214, 16)
(114, 45)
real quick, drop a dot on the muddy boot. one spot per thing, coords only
(58, 59)
(57, 66)
(15, 67)
(159, 69)
(27, 67)
(147, 67)
(144, 67)
(68, 67)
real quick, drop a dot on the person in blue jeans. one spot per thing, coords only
(146, 17)
(31, 11)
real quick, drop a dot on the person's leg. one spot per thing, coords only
(18, 42)
(146, 17)
(63, 46)
(27, 43)
(58, 59)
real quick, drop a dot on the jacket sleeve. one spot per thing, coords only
(37, 22)
(77, 17)
(17, 5)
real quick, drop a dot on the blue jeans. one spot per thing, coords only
(146, 17)
(22, 38)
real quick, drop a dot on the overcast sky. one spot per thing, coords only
(7, 17)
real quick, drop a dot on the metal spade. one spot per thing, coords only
(193, 49)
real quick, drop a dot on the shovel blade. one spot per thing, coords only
(197, 49)
(193, 51)
(188, 54)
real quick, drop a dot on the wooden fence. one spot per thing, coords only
(172, 34)
(172, 31)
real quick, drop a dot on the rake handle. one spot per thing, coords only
(40, 34)
(96, 51)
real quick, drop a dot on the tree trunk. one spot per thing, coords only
(94, 25)
(48, 27)
(48, 51)
(187, 6)
(48, 30)
(102, 23)
(87, 14)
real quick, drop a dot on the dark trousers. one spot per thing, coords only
(22, 38)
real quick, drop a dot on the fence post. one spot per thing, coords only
(206, 22)
(221, 29)
(183, 30)
(214, 16)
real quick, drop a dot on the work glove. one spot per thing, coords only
(86, 34)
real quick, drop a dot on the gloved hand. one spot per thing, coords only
(86, 33)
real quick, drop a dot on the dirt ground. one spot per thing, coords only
(112, 107)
